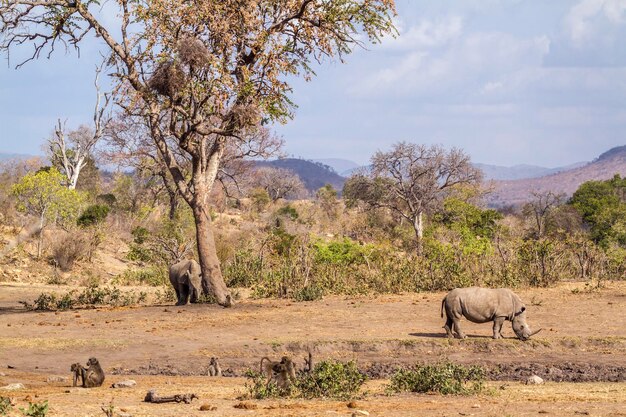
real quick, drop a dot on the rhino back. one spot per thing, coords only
(178, 269)
(481, 305)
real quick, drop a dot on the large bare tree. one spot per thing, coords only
(70, 151)
(411, 180)
(279, 182)
(202, 73)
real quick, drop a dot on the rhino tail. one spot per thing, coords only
(443, 302)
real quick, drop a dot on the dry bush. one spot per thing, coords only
(69, 249)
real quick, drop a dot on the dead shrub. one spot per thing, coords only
(68, 250)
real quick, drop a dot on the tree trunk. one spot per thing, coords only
(418, 226)
(42, 225)
(174, 202)
(212, 280)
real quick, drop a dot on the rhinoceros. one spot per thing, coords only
(186, 278)
(481, 305)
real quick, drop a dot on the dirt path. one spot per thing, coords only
(583, 339)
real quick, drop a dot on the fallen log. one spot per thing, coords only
(153, 397)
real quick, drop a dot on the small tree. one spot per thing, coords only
(327, 198)
(411, 180)
(540, 210)
(43, 195)
(602, 205)
(279, 183)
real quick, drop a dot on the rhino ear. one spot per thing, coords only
(521, 311)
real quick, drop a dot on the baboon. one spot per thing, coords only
(78, 372)
(308, 363)
(93, 375)
(283, 372)
(214, 367)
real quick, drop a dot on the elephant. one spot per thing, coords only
(480, 305)
(186, 278)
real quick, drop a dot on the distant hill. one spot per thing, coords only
(7, 156)
(515, 192)
(314, 175)
(516, 172)
(339, 165)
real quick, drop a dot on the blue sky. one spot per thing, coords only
(509, 81)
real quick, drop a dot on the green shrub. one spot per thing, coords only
(45, 301)
(259, 389)
(36, 409)
(66, 302)
(309, 293)
(288, 211)
(140, 234)
(243, 270)
(331, 379)
(93, 215)
(139, 253)
(108, 199)
(5, 405)
(153, 276)
(444, 378)
(93, 295)
(328, 379)
(340, 252)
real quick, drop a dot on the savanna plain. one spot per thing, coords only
(581, 353)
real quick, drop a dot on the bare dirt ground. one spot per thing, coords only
(167, 348)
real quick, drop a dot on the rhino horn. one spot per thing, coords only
(535, 332)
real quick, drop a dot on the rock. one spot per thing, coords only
(359, 413)
(3, 374)
(207, 407)
(124, 415)
(352, 404)
(534, 380)
(476, 406)
(124, 384)
(56, 378)
(14, 387)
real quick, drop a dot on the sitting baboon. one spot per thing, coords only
(78, 372)
(283, 372)
(214, 367)
(93, 375)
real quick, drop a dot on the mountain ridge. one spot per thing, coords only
(519, 191)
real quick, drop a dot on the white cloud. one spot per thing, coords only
(476, 64)
(581, 22)
(426, 34)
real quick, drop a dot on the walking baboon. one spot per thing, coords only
(93, 375)
(283, 371)
(214, 367)
(78, 372)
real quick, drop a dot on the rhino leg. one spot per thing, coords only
(457, 328)
(497, 327)
(184, 295)
(448, 328)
